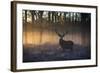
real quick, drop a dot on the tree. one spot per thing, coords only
(85, 23)
(40, 14)
(32, 13)
(25, 16)
(25, 26)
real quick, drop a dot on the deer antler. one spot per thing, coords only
(64, 33)
(60, 33)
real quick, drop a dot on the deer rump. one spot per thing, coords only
(66, 44)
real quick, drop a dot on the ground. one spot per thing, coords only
(78, 52)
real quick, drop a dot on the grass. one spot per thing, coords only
(55, 53)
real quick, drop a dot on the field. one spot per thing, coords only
(78, 52)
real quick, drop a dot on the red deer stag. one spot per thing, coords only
(63, 43)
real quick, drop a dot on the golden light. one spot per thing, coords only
(35, 38)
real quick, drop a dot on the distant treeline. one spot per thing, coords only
(54, 16)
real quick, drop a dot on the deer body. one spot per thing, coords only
(66, 44)
(63, 43)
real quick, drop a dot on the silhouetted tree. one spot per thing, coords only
(32, 13)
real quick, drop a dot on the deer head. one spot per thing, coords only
(61, 33)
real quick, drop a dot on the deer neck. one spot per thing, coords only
(61, 39)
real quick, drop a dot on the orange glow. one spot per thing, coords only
(35, 37)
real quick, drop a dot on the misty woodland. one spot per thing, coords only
(56, 35)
